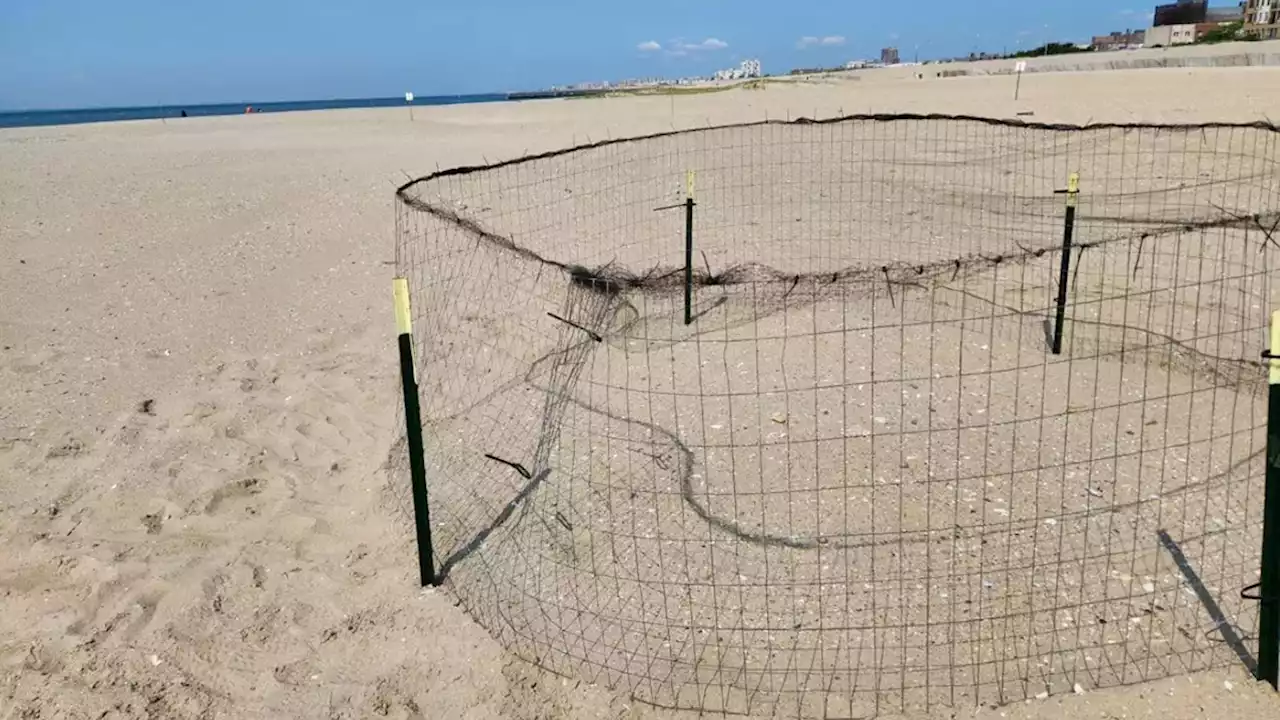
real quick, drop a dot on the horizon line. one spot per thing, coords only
(10, 110)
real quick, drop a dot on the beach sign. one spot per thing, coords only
(1021, 67)
(408, 97)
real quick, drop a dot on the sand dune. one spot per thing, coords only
(198, 395)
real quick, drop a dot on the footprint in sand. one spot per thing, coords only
(153, 522)
(68, 447)
(240, 489)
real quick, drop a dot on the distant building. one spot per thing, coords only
(1223, 15)
(1119, 40)
(1262, 18)
(1182, 12)
(889, 56)
(1170, 35)
(745, 69)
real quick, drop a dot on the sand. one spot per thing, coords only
(198, 396)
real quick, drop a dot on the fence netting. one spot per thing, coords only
(858, 482)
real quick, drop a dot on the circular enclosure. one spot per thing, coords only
(769, 418)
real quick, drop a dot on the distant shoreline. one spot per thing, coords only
(79, 116)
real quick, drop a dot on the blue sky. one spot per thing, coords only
(86, 53)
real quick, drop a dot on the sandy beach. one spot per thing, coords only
(198, 395)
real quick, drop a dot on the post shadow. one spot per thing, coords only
(1211, 606)
(478, 539)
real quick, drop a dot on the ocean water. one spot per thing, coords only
(29, 118)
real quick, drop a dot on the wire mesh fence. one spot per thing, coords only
(858, 481)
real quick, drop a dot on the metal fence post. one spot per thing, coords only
(1064, 271)
(413, 435)
(1269, 588)
(688, 249)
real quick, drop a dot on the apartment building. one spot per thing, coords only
(1119, 40)
(1262, 18)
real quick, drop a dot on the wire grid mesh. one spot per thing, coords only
(858, 482)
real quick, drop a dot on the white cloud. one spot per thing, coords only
(649, 46)
(809, 41)
(680, 46)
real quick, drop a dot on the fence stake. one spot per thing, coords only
(688, 249)
(1269, 588)
(1064, 271)
(413, 433)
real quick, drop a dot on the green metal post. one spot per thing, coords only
(1269, 588)
(688, 261)
(688, 249)
(1064, 267)
(413, 435)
